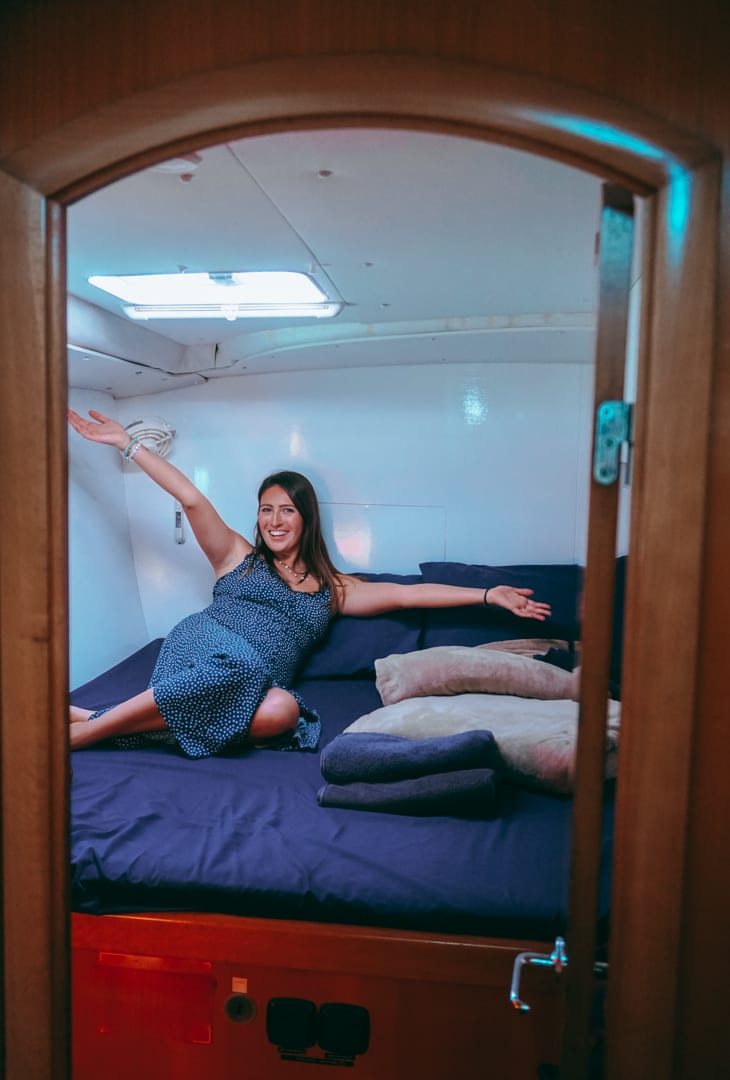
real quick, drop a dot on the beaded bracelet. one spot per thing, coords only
(126, 451)
(137, 446)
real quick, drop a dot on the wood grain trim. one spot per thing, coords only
(617, 233)
(700, 1043)
(115, 137)
(33, 627)
(665, 581)
(323, 947)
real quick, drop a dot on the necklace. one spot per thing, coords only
(294, 573)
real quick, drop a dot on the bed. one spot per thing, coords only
(226, 923)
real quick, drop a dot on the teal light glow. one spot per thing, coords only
(605, 134)
(679, 200)
(679, 204)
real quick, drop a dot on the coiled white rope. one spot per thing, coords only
(153, 432)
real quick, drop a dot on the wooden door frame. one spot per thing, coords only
(681, 175)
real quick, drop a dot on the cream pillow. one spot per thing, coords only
(536, 740)
(525, 646)
(459, 669)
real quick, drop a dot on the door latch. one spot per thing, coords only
(614, 420)
(557, 960)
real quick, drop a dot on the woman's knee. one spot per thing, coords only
(277, 714)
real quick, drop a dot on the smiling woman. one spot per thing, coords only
(224, 675)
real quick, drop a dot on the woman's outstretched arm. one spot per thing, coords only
(223, 546)
(374, 598)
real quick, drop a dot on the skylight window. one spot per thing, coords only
(228, 295)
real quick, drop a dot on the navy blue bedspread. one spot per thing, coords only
(243, 834)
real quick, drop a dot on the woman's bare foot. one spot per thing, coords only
(79, 715)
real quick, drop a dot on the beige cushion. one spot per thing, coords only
(536, 739)
(525, 646)
(458, 669)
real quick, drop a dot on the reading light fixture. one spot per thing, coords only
(226, 295)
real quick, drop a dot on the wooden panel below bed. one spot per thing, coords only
(193, 996)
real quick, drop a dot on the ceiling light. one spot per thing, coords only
(228, 295)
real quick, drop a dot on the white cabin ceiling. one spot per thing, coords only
(444, 249)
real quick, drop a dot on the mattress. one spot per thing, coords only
(243, 834)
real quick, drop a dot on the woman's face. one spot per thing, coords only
(280, 523)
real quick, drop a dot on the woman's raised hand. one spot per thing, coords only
(100, 428)
(518, 601)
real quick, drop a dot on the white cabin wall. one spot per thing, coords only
(106, 616)
(469, 462)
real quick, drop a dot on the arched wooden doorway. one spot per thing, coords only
(117, 132)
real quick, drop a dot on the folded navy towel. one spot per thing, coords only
(462, 793)
(373, 757)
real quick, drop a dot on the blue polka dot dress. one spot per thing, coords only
(216, 666)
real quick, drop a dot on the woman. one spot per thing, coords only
(223, 677)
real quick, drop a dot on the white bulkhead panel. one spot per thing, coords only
(474, 464)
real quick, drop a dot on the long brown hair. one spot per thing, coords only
(313, 549)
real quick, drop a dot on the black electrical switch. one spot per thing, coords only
(291, 1023)
(343, 1029)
